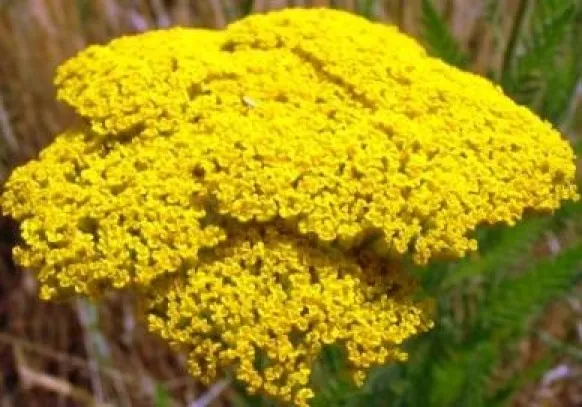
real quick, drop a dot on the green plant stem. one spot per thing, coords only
(515, 31)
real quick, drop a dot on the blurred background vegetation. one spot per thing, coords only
(509, 323)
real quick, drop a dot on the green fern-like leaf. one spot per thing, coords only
(561, 81)
(503, 315)
(560, 86)
(509, 247)
(549, 27)
(462, 379)
(438, 37)
(515, 301)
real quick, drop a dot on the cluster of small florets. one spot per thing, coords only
(253, 183)
(267, 303)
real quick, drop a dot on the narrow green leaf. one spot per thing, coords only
(438, 37)
(246, 7)
(366, 8)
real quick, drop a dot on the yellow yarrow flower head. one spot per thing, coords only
(267, 303)
(258, 185)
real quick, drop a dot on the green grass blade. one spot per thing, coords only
(439, 38)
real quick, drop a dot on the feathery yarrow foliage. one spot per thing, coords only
(258, 187)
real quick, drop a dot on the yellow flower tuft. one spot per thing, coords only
(250, 184)
(96, 215)
(268, 302)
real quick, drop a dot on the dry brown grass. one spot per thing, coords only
(58, 354)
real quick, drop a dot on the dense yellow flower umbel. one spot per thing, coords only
(271, 299)
(255, 184)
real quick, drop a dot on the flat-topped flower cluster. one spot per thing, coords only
(258, 185)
